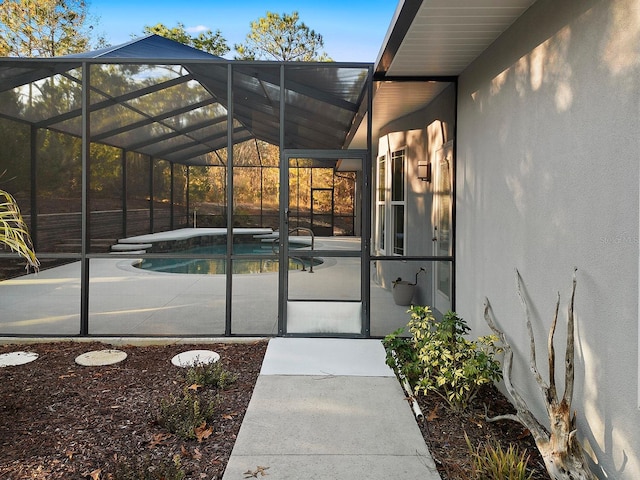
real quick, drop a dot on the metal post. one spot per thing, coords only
(284, 220)
(365, 280)
(124, 193)
(34, 186)
(453, 194)
(229, 276)
(187, 177)
(151, 213)
(171, 199)
(86, 144)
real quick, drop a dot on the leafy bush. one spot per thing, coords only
(406, 356)
(145, 469)
(439, 358)
(186, 415)
(492, 462)
(210, 375)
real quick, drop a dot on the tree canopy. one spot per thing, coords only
(282, 37)
(208, 41)
(43, 28)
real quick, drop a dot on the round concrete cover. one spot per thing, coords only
(100, 358)
(195, 357)
(17, 358)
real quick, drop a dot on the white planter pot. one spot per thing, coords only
(403, 292)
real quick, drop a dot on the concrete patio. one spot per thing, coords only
(125, 300)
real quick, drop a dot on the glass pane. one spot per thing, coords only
(444, 278)
(381, 227)
(382, 177)
(398, 229)
(397, 176)
(443, 203)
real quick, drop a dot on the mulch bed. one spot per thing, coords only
(59, 420)
(444, 432)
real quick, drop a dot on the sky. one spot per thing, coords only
(352, 30)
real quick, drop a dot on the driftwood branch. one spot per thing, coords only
(523, 413)
(532, 344)
(569, 357)
(552, 394)
(562, 453)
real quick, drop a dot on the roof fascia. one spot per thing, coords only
(405, 15)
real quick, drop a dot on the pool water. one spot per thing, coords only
(218, 266)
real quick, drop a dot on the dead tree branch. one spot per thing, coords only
(560, 449)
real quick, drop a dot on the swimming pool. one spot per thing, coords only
(218, 266)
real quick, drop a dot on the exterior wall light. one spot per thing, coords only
(424, 171)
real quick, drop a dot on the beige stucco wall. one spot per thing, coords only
(547, 179)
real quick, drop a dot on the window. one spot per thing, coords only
(398, 201)
(390, 204)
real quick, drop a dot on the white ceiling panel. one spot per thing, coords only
(445, 36)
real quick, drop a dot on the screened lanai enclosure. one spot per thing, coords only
(170, 192)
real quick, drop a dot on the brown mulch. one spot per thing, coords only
(59, 420)
(444, 432)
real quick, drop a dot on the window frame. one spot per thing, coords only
(381, 229)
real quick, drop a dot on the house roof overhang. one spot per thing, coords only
(428, 44)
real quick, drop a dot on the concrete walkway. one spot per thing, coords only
(328, 409)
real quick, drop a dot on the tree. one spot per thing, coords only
(43, 28)
(285, 38)
(208, 41)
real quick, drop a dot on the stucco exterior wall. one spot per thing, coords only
(548, 157)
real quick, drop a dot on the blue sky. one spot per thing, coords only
(353, 30)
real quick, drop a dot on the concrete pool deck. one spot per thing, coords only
(128, 301)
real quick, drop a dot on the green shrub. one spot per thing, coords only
(407, 362)
(210, 375)
(452, 366)
(492, 462)
(145, 469)
(183, 415)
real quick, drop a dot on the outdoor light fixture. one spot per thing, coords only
(424, 171)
